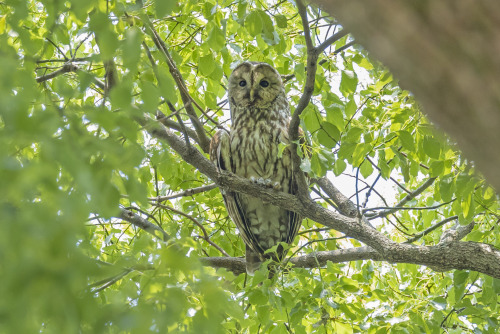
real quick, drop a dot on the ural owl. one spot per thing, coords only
(260, 115)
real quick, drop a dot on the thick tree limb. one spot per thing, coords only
(443, 52)
(455, 255)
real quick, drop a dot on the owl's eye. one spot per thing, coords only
(264, 83)
(243, 83)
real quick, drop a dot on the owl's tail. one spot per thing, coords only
(253, 261)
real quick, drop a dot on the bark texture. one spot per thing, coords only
(446, 53)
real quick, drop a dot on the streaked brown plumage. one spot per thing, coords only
(260, 115)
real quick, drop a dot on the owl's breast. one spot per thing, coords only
(256, 151)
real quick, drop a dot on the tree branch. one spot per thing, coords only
(143, 224)
(66, 68)
(188, 101)
(176, 126)
(330, 40)
(430, 229)
(456, 255)
(479, 257)
(405, 200)
(185, 193)
(293, 129)
(345, 205)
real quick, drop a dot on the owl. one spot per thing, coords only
(260, 116)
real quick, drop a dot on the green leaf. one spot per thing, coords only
(335, 116)
(459, 283)
(150, 96)
(339, 167)
(121, 96)
(348, 82)
(267, 23)
(353, 135)
(467, 207)
(167, 85)
(406, 140)
(216, 39)
(328, 135)
(257, 297)
(366, 169)
(350, 108)
(370, 113)
(305, 165)
(346, 150)
(206, 65)
(436, 168)
(132, 48)
(253, 23)
(281, 21)
(349, 284)
(432, 147)
(363, 62)
(164, 7)
(311, 119)
(107, 39)
(319, 165)
(446, 188)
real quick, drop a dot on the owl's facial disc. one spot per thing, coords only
(254, 85)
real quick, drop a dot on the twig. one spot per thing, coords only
(66, 68)
(188, 101)
(58, 49)
(405, 200)
(181, 123)
(396, 208)
(326, 199)
(370, 190)
(143, 224)
(391, 178)
(322, 229)
(75, 60)
(188, 192)
(191, 218)
(176, 126)
(79, 45)
(330, 40)
(357, 192)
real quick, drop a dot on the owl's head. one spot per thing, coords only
(254, 84)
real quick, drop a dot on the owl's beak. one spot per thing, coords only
(252, 95)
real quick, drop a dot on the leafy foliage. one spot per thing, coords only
(76, 76)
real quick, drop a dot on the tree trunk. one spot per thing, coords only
(447, 54)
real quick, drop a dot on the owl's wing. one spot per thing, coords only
(220, 155)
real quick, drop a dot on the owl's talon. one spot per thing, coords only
(253, 179)
(276, 186)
